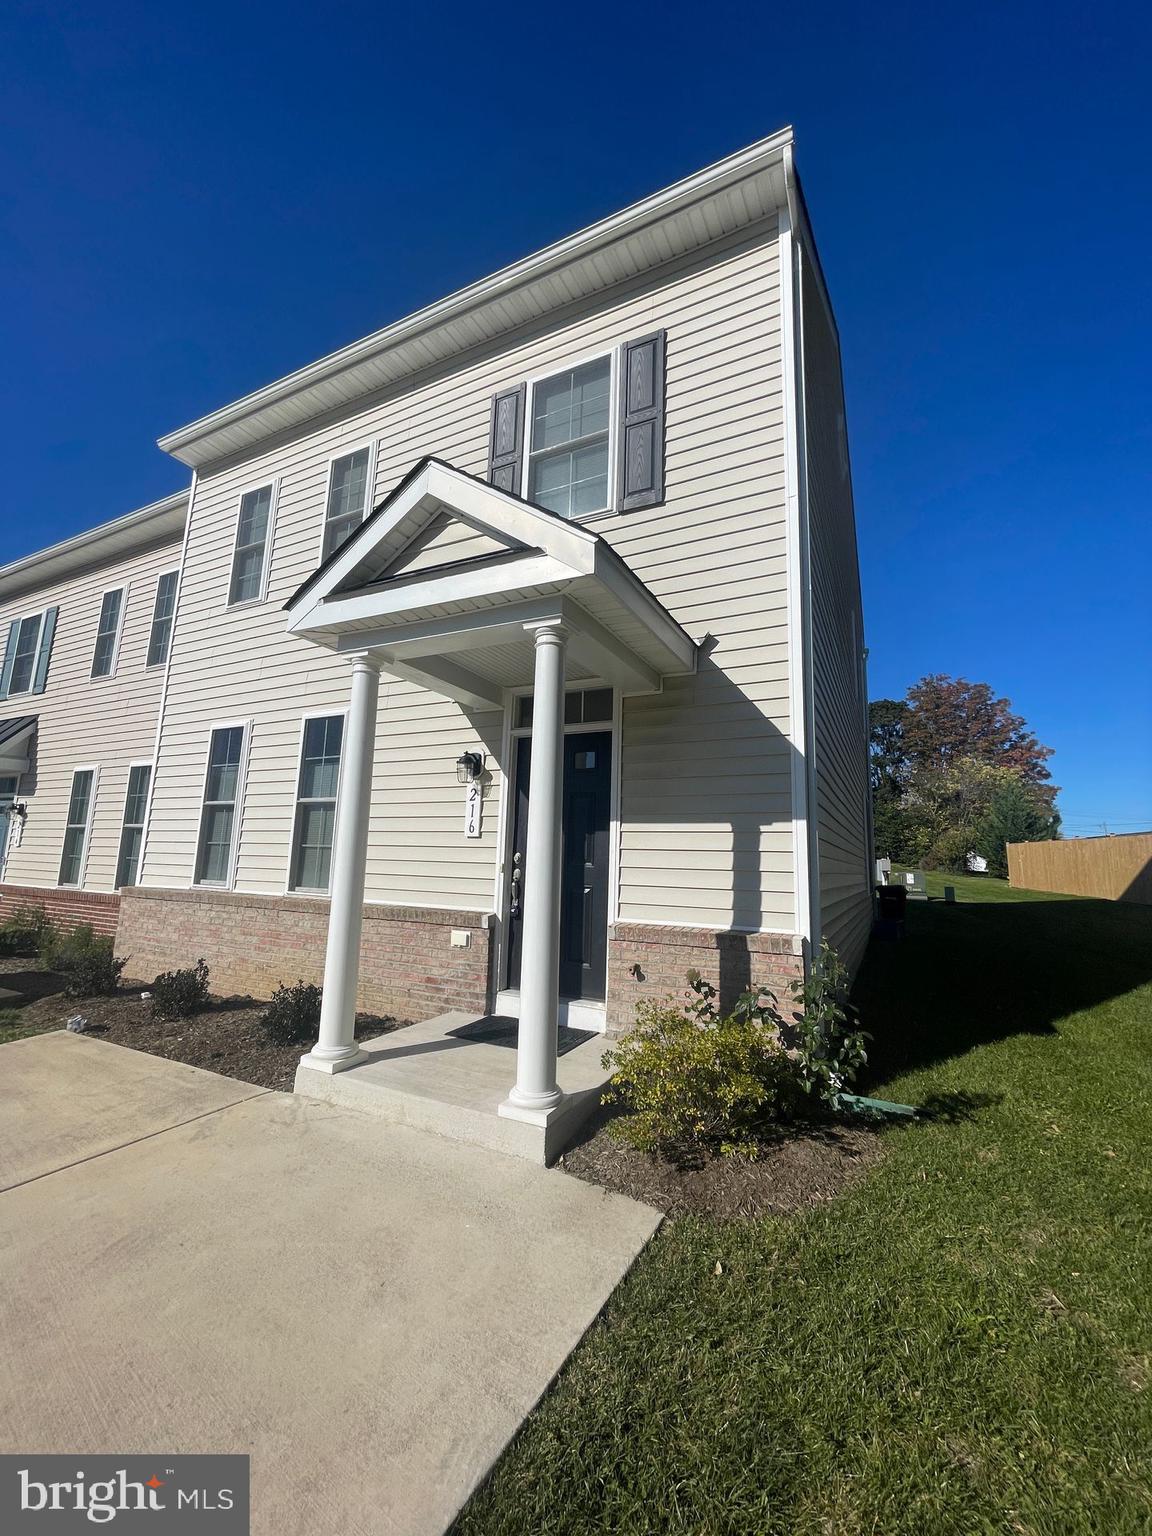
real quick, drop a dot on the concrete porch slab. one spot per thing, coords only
(68, 1097)
(434, 1078)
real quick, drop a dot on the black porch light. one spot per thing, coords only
(469, 767)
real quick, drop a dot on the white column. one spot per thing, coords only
(536, 1088)
(337, 1048)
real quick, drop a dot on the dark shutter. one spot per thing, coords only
(47, 630)
(506, 444)
(642, 422)
(9, 657)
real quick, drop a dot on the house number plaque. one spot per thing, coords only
(472, 808)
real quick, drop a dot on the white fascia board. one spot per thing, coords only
(163, 518)
(192, 443)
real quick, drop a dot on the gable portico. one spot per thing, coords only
(470, 592)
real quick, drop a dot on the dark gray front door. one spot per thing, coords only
(583, 863)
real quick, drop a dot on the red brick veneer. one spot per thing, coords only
(99, 909)
(649, 960)
(252, 944)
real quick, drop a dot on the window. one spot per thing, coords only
(163, 613)
(316, 804)
(347, 498)
(26, 642)
(250, 558)
(108, 633)
(132, 833)
(76, 830)
(218, 817)
(568, 459)
(582, 706)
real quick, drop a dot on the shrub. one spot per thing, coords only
(85, 959)
(24, 932)
(688, 1074)
(292, 1014)
(826, 1047)
(180, 994)
(950, 851)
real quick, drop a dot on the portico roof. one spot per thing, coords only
(15, 735)
(446, 580)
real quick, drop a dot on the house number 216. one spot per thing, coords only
(472, 810)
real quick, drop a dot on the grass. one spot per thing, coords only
(960, 1345)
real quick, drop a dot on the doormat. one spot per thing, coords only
(498, 1030)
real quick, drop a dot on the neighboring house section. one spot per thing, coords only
(629, 447)
(85, 628)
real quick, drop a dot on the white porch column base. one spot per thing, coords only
(336, 1048)
(536, 1091)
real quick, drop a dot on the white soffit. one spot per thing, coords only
(718, 201)
(159, 522)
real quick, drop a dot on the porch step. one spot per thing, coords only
(447, 1077)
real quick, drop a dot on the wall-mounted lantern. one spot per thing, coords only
(469, 767)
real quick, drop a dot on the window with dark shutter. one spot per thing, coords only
(640, 452)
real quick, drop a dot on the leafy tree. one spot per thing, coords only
(887, 753)
(1013, 817)
(950, 718)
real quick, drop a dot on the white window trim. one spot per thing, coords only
(305, 891)
(566, 366)
(152, 666)
(373, 447)
(136, 762)
(94, 770)
(266, 567)
(103, 677)
(229, 882)
(21, 618)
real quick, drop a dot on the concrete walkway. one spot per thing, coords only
(192, 1264)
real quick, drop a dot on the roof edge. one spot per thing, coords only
(744, 162)
(167, 516)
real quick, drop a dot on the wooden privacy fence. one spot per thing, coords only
(1117, 868)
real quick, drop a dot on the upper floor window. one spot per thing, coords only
(316, 803)
(163, 613)
(218, 813)
(108, 633)
(347, 497)
(27, 653)
(253, 538)
(569, 446)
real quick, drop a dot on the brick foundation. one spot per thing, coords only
(649, 960)
(99, 909)
(408, 967)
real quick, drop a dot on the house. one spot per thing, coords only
(509, 659)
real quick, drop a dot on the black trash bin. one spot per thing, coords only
(891, 902)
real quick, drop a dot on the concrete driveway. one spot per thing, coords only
(190, 1264)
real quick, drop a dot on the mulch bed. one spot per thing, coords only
(802, 1165)
(226, 1038)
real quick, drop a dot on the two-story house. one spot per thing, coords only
(517, 658)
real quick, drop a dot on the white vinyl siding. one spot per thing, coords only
(108, 633)
(706, 837)
(132, 832)
(839, 708)
(77, 827)
(218, 815)
(253, 546)
(347, 498)
(163, 615)
(316, 803)
(112, 722)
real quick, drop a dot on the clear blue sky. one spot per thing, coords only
(197, 199)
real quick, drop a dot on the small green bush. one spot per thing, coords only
(180, 994)
(25, 931)
(84, 958)
(61, 948)
(688, 1074)
(826, 1046)
(292, 1014)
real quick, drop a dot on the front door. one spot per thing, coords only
(583, 863)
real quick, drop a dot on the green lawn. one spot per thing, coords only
(961, 1344)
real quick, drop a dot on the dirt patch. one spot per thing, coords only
(799, 1167)
(226, 1037)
